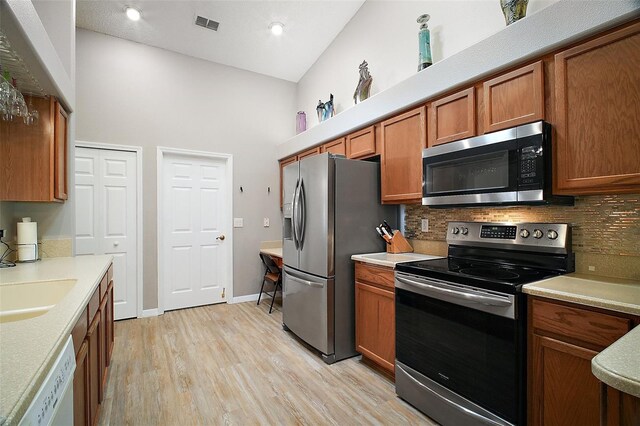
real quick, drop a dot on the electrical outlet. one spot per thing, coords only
(425, 225)
(238, 222)
(265, 222)
(592, 268)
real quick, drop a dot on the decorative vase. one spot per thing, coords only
(424, 43)
(513, 10)
(301, 122)
(364, 84)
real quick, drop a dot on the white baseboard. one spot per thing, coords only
(149, 313)
(247, 298)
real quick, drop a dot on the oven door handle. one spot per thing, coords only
(434, 288)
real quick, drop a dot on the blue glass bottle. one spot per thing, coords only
(424, 43)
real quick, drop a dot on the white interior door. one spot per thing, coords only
(106, 211)
(195, 261)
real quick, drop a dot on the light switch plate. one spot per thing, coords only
(238, 222)
(425, 225)
(265, 222)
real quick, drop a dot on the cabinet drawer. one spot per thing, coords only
(104, 282)
(361, 144)
(577, 323)
(79, 331)
(94, 304)
(375, 274)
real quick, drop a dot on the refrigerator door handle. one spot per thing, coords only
(303, 213)
(294, 218)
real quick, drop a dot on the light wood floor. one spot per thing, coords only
(233, 364)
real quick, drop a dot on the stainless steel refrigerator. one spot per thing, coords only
(331, 208)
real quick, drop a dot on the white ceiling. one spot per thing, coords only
(243, 39)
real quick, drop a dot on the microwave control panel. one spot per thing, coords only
(530, 164)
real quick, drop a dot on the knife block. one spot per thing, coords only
(399, 244)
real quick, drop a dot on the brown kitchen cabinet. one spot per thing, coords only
(34, 157)
(514, 98)
(309, 153)
(337, 146)
(284, 163)
(452, 117)
(375, 315)
(403, 138)
(563, 338)
(93, 343)
(362, 144)
(597, 87)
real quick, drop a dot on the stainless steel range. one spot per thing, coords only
(461, 320)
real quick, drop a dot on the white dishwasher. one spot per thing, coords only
(53, 404)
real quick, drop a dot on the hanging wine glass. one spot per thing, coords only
(18, 105)
(33, 116)
(6, 91)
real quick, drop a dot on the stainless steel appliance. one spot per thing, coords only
(461, 320)
(331, 206)
(511, 166)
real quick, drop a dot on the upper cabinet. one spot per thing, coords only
(452, 117)
(514, 98)
(284, 163)
(597, 100)
(403, 138)
(35, 157)
(309, 153)
(362, 144)
(335, 147)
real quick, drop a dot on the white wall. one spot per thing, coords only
(133, 94)
(385, 34)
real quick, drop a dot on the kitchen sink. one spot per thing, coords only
(22, 301)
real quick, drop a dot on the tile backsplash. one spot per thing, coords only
(605, 227)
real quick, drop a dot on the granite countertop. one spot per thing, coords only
(390, 260)
(29, 347)
(618, 365)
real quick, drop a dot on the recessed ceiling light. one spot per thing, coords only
(276, 28)
(133, 14)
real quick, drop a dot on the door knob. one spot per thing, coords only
(221, 238)
(116, 243)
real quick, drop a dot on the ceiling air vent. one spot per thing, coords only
(207, 23)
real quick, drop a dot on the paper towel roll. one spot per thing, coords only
(27, 240)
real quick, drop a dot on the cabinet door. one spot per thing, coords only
(104, 347)
(597, 108)
(283, 164)
(362, 144)
(81, 387)
(375, 325)
(565, 391)
(110, 322)
(95, 346)
(309, 153)
(60, 153)
(514, 98)
(26, 155)
(403, 138)
(335, 147)
(453, 117)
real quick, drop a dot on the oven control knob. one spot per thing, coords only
(552, 235)
(525, 233)
(464, 231)
(455, 230)
(537, 234)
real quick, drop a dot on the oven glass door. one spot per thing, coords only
(482, 170)
(472, 353)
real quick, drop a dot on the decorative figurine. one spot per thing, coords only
(362, 90)
(424, 43)
(513, 10)
(325, 110)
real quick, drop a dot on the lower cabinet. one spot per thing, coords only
(563, 339)
(93, 343)
(375, 315)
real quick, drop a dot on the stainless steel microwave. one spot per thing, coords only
(507, 167)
